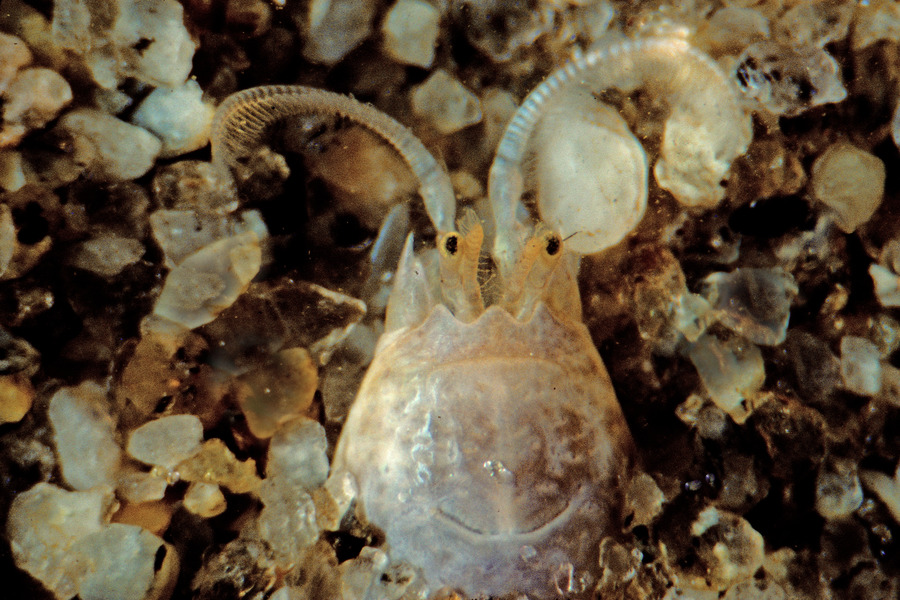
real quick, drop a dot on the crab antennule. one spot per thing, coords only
(241, 120)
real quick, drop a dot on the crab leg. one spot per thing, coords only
(241, 121)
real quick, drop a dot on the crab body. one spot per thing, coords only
(490, 449)
(487, 443)
(489, 452)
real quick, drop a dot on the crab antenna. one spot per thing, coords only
(697, 90)
(242, 118)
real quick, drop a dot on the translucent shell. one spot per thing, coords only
(490, 453)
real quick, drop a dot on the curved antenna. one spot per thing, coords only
(242, 118)
(693, 81)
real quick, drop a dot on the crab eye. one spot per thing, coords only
(552, 244)
(449, 245)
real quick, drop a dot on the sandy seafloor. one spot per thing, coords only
(802, 425)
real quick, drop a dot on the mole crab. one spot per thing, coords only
(486, 440)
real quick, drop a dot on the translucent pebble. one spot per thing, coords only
(643, 500)
(728, 545)
(149, 374)
(360, 575)
(149, 41)
(11, 134)
(592, 18)
(155, 516)
(327, 517)
(886, 488)
(732, 28)
(166, 441)
(8, 237)
(16, 396)
(193, 184)
(287, 521)
(277, 391)
(755, 303)
(16, 355)
(181, 233)
(85, 436)
(282, 320)
(317, 575)
(815, 23)
(106, 255)
(741, 488)
(111, 101)
(788, 80)
(342, 487)
(35, 97)
(112, 149)
(732, 372)
(619, 568)
(665, 309)
(249, 18)
(817, 370)
(209, 280)
(332, 28)
(838, 492)
(755, 589)
(860, 365)
(445, 103)
(204, 500)
(884, 331)
(244, 568)
(500, 27)
(297, 457)
(125, 562)
(887, 285)
(137, 487)
(685, 593)
(33, 27)
(497, 107)
(14, 54)
(876, 20)
(44, 524)
(333, 500)
(410, 32)
(12, 178)
(342, 377)
(215, 463)
(890, 385)
(712, 422)
(177, 116)
(287, 593)
(692, 315)
(598, 142)
(851, 182)
(689, 410)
